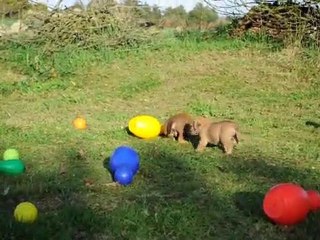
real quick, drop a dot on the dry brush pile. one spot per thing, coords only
(282, 21)
(109, 26)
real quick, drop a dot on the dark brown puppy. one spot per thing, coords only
(177, 127)
(224, 133)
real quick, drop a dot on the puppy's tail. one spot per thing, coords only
(237, 136)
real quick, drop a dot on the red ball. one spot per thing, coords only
(286, 204)
(314, 198)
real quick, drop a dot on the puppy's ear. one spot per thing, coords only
(195, 124)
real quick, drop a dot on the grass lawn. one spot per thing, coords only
(178, 193)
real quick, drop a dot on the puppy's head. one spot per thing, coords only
(197, 125)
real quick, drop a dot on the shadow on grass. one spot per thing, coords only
(60, 196)
(128, 132)
(249, 203)
(269, 170)
(169, 199)
(267, 175)
(313, 124)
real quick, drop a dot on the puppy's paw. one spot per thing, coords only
(183, 141)
(200, 149)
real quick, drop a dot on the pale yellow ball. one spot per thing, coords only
(26, 212)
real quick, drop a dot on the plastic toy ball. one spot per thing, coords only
(26, 212)
(144, 126)
(79, 123)
(314, 198)
(10, 154)
(289, 204)
(124, 156)
(123, 175)
(12, 167)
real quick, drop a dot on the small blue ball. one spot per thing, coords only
(124, 156)
(123, 175)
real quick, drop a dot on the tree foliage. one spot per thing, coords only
(177, 12)
(174, 17)
(101, 3)
(131, 2)
(151, 13)
(201, 15)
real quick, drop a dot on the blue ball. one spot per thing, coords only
(124, 156)
(123, 175)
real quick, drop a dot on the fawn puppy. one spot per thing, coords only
(224, 133)
(177, 127)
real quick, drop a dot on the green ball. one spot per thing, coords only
(11, 154)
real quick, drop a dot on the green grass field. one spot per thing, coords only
(178, 193)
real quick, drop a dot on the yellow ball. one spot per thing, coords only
(144, 126)
(79, 123)
(11, 154)
(26, 212)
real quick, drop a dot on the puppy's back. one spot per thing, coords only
(179, 119)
